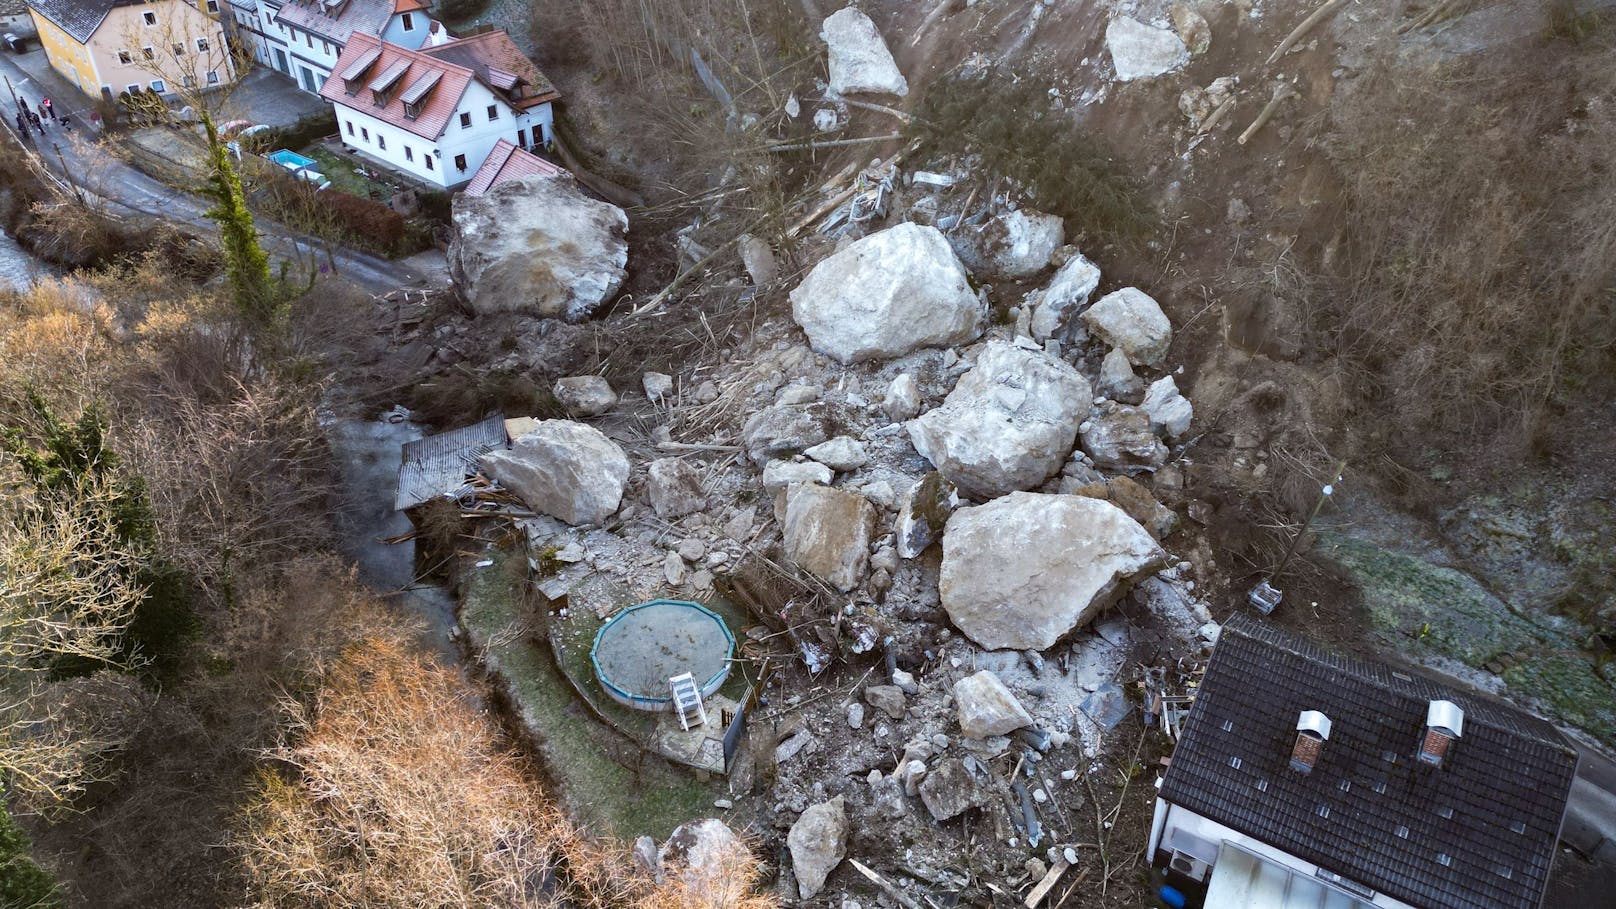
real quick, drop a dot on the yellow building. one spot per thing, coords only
(106, 47)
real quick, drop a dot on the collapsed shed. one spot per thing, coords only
(443, 465)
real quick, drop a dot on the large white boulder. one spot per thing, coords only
(886, 295)
(537, 246)
(818, 842)
(674, 488)
(704, 854)
(1055, 308)
(563, 469)
(1008, 424)
(859, 58)
(1141, 51)
(1025, 569)
(827, 533)
(1016, 244)
(1119, 437)
(986, 707)
(1133, 321)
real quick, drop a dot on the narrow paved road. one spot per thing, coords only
(130, 190)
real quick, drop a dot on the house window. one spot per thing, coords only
(465, 121)
(521, 138)
(381, 142)
(148, 53)
(179, 49)
(187, 81)
(126, 58)
(308, 38)
(428, 160)
(326, 46)
(213, 77)
(149, 18)
(158, 86)
(350, 127)
(409, 153)
(213, 6)
(201, 45)
(493, 112)
(412, 109)
(132, 87)
(364, 133)
(409, 22)
(460, 162)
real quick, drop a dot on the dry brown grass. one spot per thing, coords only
(392, 788)
(1476, 283)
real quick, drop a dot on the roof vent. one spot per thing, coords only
(1312, 730)
(1444, 722)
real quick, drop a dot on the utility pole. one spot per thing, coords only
(66, 175)
(15, 103)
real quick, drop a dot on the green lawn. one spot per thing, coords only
(342, 172)
(592, 767)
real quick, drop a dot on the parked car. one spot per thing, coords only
(17, 43)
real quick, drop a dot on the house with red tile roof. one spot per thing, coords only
(507, 162)
(435, 114)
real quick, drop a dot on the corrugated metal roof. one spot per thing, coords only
(440, 465)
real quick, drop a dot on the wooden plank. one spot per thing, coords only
(1047, 884)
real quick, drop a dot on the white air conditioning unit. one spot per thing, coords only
(1189, 866)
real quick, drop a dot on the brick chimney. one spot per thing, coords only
(1444, 723)
(1312, 731)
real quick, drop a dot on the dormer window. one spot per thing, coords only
(383, 86)
(408, 21)
(415, 96)
(354, 75)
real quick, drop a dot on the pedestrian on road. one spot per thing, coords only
(38, 124)
(67, 124)
(25, 108)
(22, 127)
(47, 108)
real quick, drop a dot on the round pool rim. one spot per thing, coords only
(640, 702)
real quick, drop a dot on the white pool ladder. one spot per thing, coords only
(687, 701)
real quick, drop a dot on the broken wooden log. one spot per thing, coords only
(1319, 15)
(833, 143)
(1282, 92)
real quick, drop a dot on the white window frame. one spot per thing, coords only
(126, 58)
(408, 21)
(132, 87)
(493, 112)
(465, 119)
(149, 52)
(213, 77)
(213, 6)
(150, 18)
(159, 86)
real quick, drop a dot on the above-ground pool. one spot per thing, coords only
(638, 650)
(289, 159)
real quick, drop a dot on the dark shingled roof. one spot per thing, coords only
(79, 18)
(1480, 831)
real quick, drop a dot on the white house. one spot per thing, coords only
(1305, 778)
(303, 39)
(434, 114)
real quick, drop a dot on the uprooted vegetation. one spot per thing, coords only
(1474, 277)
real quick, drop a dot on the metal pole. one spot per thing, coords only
(13, 91)
(1324, 495)
(66, 175)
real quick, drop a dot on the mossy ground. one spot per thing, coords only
(605, 780)
(1419, 607)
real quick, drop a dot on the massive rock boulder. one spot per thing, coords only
(859, 59)
(818, 842)
(1140, 51)
(537, 246)
(1132, 321)
(827, 533)
(1008, 424)
(563, 469)
(1055, 308)
(987, 708)
(888, 294)
(1023, 570)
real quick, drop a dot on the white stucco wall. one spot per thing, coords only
(474, 142)
(1183, 829)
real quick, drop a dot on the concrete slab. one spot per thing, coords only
(265, 96)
